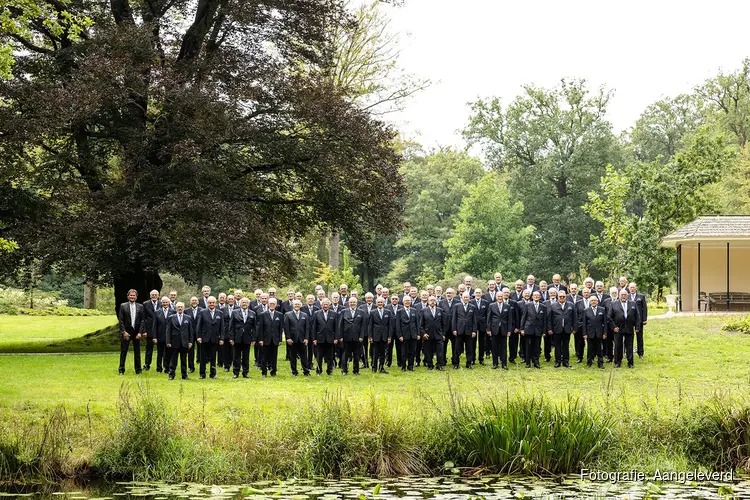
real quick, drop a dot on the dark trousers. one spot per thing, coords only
(562, 347)
(339, 353)
(208, 353)
(532, 347)
(241, 358)
(548, 343)
(639, 340)
(378, 354)
(352, 351)
(182, 353)
(624, 341)
(325, 352)
(125, 347)
(608, 346)
(408, 353)
(396, 345)
(225, 355)
(513, 345)
(149, 352)
(418, 351)
(434, 348)
(297, 350)
(579, 344)
(191, 357)
(389, 353)
(499, 349)
(162, 357)
(594, 350)
(269, 354)
(312, 354)
(484, 342)
(464, 343)
(449, 339)
(363, 355)
(257, 354)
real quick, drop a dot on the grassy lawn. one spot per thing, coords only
(36, 333)
(687, 359)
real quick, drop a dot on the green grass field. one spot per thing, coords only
(37, 333)
(686, 359)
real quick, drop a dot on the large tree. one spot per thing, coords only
(555, 143)
(191, 137)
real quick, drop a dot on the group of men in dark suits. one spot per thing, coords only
(498, 324)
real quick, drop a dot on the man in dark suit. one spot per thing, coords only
(288, 304)
(393, 309)
(608, 343)
(640, 302)
(625, 318)
(418, 305)
(350, 330)
(180, 338)
(407, 289)
(379, 334)
(132, 328)
(563, 322)
(325, 336)
(255, 302)
(205, 294)
(172, 300)
(595, 324)
(548, 341)
(464, 328)
(149, 308)
(516, 345)
(543, 291)
(573, 296)
(431, 319)
(499, 285)
(344, 295)
(623, 283)
(581, 305)
(243, 336)
(534, 321)
(407, 333)
(227, 350)
(297, 331)
(366, 310)
(469, 284)
(557, 284)
(500, 321)
(310, 309)
(531, 285)
(193, 311)
(269, 326)
(492, 291)
(163, 354)
(447, 304)
(484, 343)
(210, 335)
(600, 293)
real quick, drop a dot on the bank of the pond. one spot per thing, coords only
(340, 436)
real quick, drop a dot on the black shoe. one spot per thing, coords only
(403, 368)
(121, 373)
(273, 374)
(159, 370)
(235, 376)
(557, 364)
(631, 366)
(610, 360)
(263, 375)
(481, 362)
(528, 365)
(191, 370)
(640, 356)
(566, 365)
(171, 376)
(306, 374)
(138, 372)
(495, 367)
(430, 368)
(417, 363)
(388, 364)
(344, 373)
(617, 365)
(513, 362)
(468, 367)
(601, 366)
(245, 375)
(411, 369)
(213, 375)
(505, 367)
(455, 367)
(589, 365)
(382, 370)
(536, 365)
(580, 360)
(226, 369)
(184, 377)
(440, 369)
(202, 377)
(148, 367)
(547, 359)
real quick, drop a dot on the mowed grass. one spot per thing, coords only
(688, 360)
(37, 333)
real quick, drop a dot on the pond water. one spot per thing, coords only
(417, 488)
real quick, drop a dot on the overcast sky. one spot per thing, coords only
(644, 50)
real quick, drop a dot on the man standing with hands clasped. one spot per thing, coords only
(180, 336)
(132, 328)
(210, 334)
(625, 318)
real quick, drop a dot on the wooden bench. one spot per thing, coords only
(718, 301)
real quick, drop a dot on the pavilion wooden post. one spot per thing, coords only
(699, 276)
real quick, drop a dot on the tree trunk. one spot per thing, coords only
(140, 279)
(334, 260)
(89, 295)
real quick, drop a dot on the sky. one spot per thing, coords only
(644, 50)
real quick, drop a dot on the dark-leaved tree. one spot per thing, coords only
(195, 137)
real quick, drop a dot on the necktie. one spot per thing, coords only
(625, 309)
(536, 306)
(466, 308)
(179, 318)
(212, 314)
(352, 312)
(132, 314)
(155, 306)
(297, 314)
(433, 311)
(407, 313)
(381, 313)
(244, 316)
(165, 312)
(325, 315)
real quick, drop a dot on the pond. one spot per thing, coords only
(417, 488)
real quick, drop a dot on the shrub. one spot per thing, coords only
(738, 324)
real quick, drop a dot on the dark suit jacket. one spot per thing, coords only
(189, 311)
(500, 318)
(534, 322)
(380, 329)
(432, 326)
(407, 326)
(148, 315)
(491, 299)
(481, 314)
(180, 336)
(210, 330)
(310, 314)
(559, 288)
(203, 302)
(595, 323)
(287, 306)
(626, 325)
(160, 325)
(126, 321)
(324, 331)
(447, 307)
(228, 333)
(519, 306)
(640, 302)
(463, 321)
(269, 326)
(534, 289)
(562, 321)
(350, 325)
(297, 330)
(243, 332)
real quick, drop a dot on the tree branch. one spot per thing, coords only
(32, 47)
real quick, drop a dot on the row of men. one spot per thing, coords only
(327, 329)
